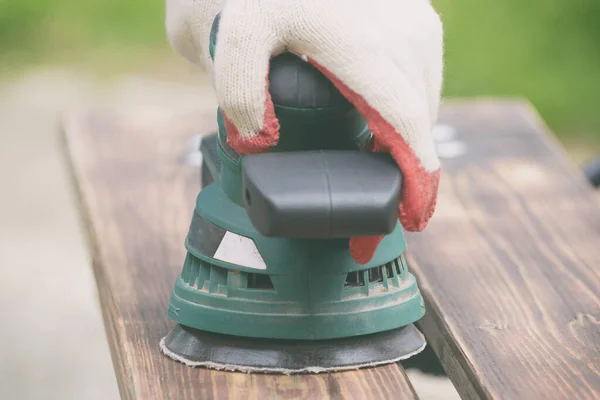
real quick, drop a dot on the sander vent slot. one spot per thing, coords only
(391, 273)
(376, 274)
(260, 281)
(401, 268)
(216, 280)
(373, 275)
(389, 270)
(355, 279)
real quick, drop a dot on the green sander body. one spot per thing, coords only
(268, 283)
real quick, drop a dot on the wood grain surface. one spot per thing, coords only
(136, 189)
(510, 263)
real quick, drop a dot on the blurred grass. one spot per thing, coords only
(545, 50)
(108, 32)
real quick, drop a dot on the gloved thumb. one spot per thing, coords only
(245, 45)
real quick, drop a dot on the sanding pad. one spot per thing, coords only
(197, 348)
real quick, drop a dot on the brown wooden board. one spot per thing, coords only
(137, 192)
(510, 263)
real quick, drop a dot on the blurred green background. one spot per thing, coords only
(60, 56)
(545, 50)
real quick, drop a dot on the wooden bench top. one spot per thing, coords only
(137, 193)
(509, 265)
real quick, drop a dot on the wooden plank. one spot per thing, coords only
(510, 263)
(137, 194)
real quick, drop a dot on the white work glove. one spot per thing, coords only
(384, 56)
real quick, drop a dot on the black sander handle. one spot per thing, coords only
(321, 194)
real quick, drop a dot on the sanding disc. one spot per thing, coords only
(197, 348)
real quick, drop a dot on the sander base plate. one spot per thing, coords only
(196, 348)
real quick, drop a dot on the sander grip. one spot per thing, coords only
(321, 194)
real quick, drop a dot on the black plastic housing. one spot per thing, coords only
(321, 194)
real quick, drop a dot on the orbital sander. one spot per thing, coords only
(268, 283)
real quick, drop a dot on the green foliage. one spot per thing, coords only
(20, 23)
(41, 30)
(545, 50)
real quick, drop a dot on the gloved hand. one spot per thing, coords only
(385, 56)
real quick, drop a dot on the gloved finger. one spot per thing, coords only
(188, 24)
(363, 248)
(245, 44)
(408, 141)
